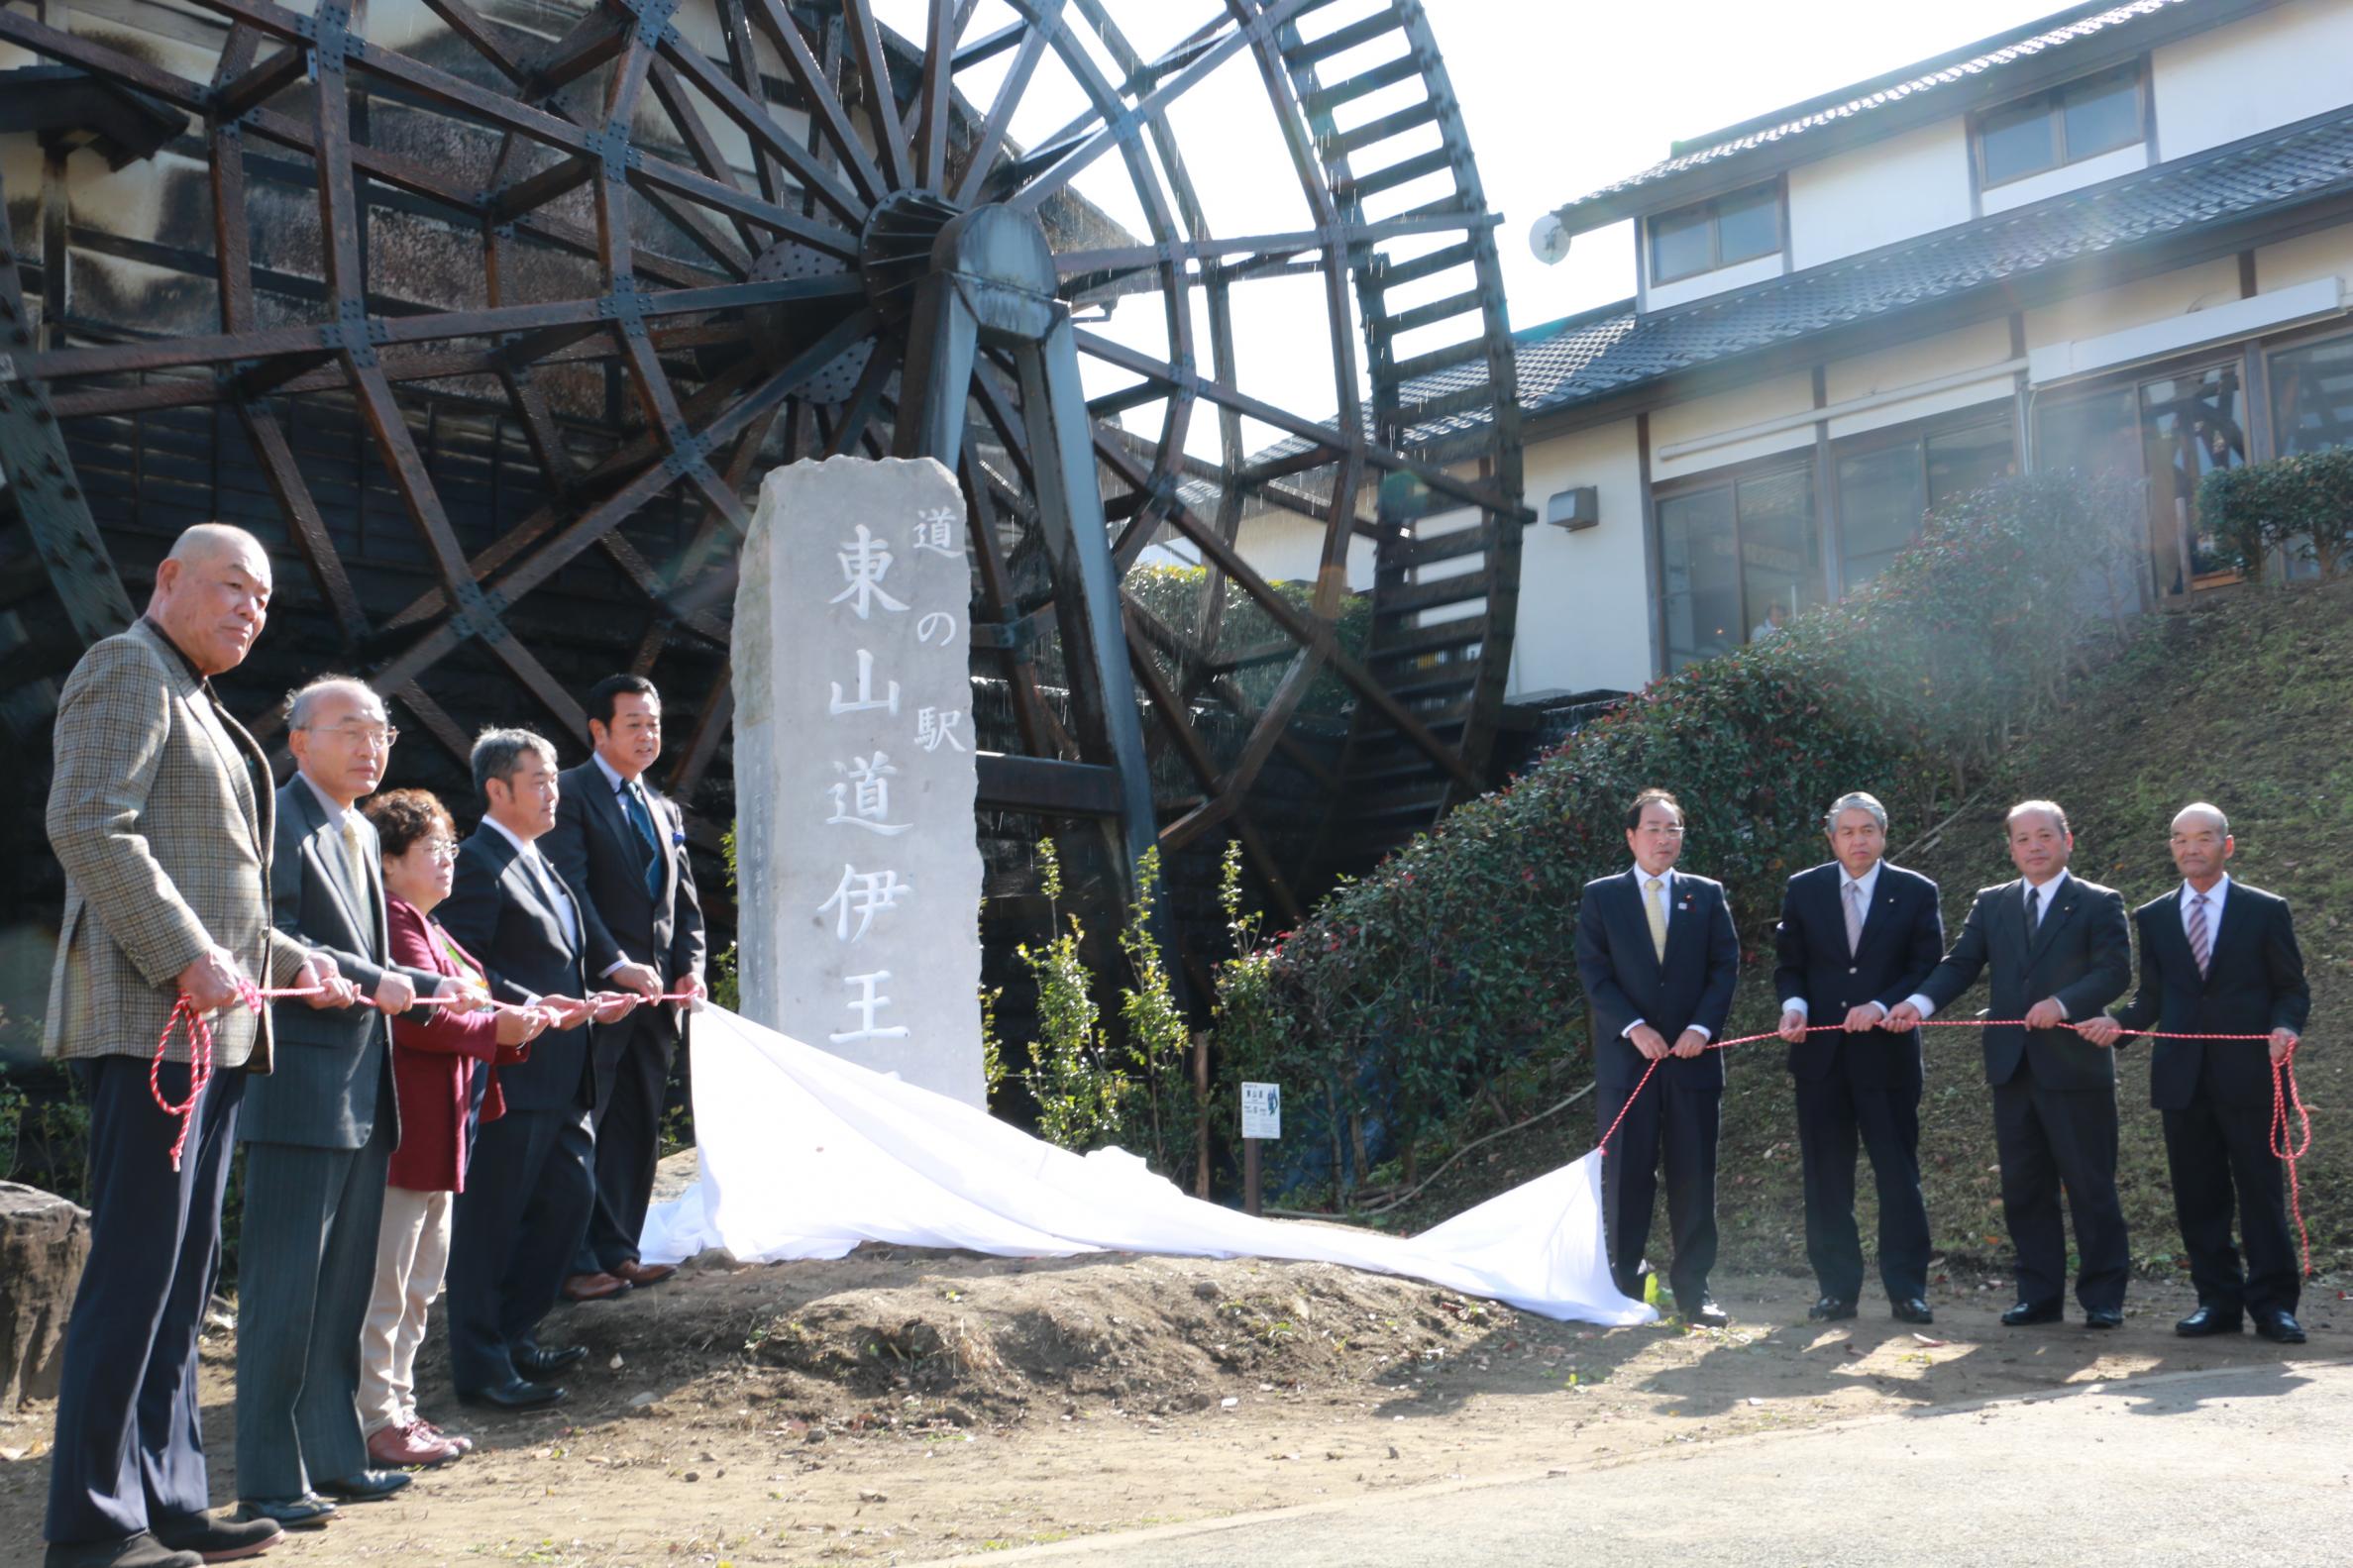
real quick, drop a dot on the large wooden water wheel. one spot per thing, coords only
(492, 313)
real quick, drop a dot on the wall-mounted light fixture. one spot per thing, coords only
(1574, 509)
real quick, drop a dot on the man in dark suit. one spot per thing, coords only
(319, 1132)
(2060, 951)
(159, 811)
(624, 848)
(1858, 936)
(2219, 957)
(531, 1181)
(1658, 956)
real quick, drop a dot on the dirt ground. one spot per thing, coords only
(899, 1406)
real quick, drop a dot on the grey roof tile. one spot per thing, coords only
(1591, 355)
(1882, 94)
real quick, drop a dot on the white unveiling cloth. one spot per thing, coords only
(806, 1155)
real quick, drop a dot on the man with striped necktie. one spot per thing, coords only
(2219, 957)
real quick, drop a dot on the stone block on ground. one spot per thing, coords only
(44, 1241)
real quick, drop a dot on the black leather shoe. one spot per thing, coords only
(1911, 1310)
(127, 1551)
(513, 1395)
(367, 1486)
(2280, 1327)
(1705, 1313)
(1831, 1309)
(309, 1511)
(2103, 1318)
(2027, 1313)
(539, 1364)
(217, 1540)
(2209, 1320)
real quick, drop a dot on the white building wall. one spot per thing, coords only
(1279, 546)
(1987, 346)
(1585, 598)
(1659, 296)
(2306, 258)
(2271, 68)
(2148, 299)
(2067, 176)
(1702, 417)
(1878, 193)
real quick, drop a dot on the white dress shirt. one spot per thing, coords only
(1667, 893)
(2215, 897)
(565, 913)
(621, 788)
(1869, 882)
(2050, 891)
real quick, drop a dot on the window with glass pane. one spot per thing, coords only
(2093, 435)
(2101, 114)
(1679, 245)
(1879, 505)
(2190, 426)
(1780, 547)
(1969, 459)
(1699, 573)
(2312, 395)
(1748, 224)
(2017, 140)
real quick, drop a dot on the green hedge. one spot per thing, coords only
(2301, 506)
(1404, 993)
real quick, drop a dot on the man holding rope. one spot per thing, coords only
(1856, 937)
(1658, 958)
(161, 812)
(319, 1132)
(2060, 951)
(2219, 957)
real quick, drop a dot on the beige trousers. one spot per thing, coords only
(412, 1253)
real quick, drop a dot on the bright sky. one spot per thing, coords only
(1562, 98)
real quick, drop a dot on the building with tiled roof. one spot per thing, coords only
(2118, 239)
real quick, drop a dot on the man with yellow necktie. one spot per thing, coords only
(1658, 956)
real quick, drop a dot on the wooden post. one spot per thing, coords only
(1201, 1121)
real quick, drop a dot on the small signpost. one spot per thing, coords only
(1261, 1119)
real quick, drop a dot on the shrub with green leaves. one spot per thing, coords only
(2301, 505)
(1404, 993)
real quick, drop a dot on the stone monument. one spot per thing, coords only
(857, 870)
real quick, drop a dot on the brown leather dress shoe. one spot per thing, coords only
(642, 1275)
(592, 1286)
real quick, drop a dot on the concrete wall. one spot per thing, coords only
(2272, 68)
(1584, 596)
(1878, 193)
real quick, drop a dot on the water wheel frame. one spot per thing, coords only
(753, 315)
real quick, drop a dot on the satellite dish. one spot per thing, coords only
(1549, 239)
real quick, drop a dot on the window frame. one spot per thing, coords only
(1773, 464)
(1916, 434)
(1776, 199)
(2055, 111)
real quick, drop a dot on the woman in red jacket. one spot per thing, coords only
(442, 1073)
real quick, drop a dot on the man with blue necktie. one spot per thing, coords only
(623, 847)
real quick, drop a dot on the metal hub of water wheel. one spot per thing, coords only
(492, 313)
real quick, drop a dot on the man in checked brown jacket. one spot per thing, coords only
(161, 812)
